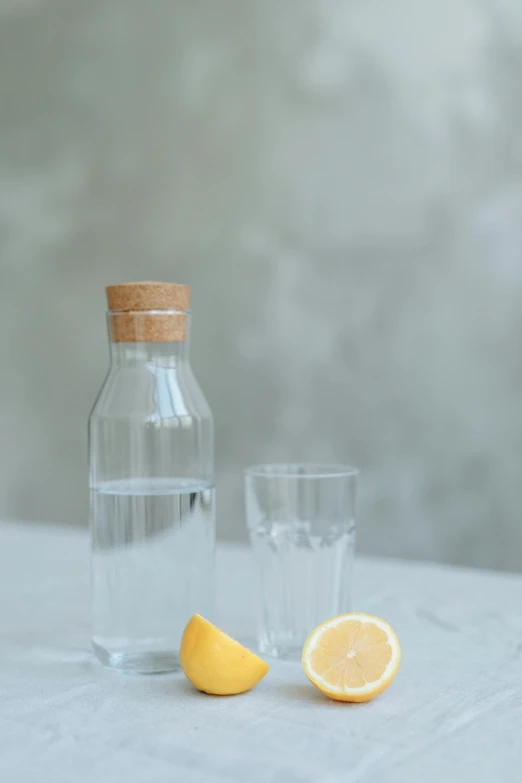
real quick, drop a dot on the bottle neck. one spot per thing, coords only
(152, 337)
(169, 354)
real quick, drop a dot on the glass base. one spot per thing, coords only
(146, 662)
(284, 652)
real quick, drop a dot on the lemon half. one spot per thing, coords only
(352, 657)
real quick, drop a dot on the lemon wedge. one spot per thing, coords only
(215, 663)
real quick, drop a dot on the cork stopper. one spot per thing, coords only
(131, 319)
(148, 295)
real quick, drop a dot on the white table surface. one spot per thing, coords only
(453, 713)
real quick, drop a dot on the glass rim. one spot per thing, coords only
(294, 470)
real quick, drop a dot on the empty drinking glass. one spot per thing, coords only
(301, 522)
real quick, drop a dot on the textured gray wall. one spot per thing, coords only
(341, 184)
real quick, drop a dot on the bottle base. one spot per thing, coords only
(146, 662)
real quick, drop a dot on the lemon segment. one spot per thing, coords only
(215, 663)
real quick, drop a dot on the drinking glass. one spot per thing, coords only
(301, 523)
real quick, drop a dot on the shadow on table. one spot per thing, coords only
(307, 694)
(177, 685)
(174, 685)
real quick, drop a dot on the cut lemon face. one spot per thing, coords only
(215, 663)
(352, 657)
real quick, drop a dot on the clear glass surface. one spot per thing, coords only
(301, 523)
(152, 505)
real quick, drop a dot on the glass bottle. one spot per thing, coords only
(151, 483)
